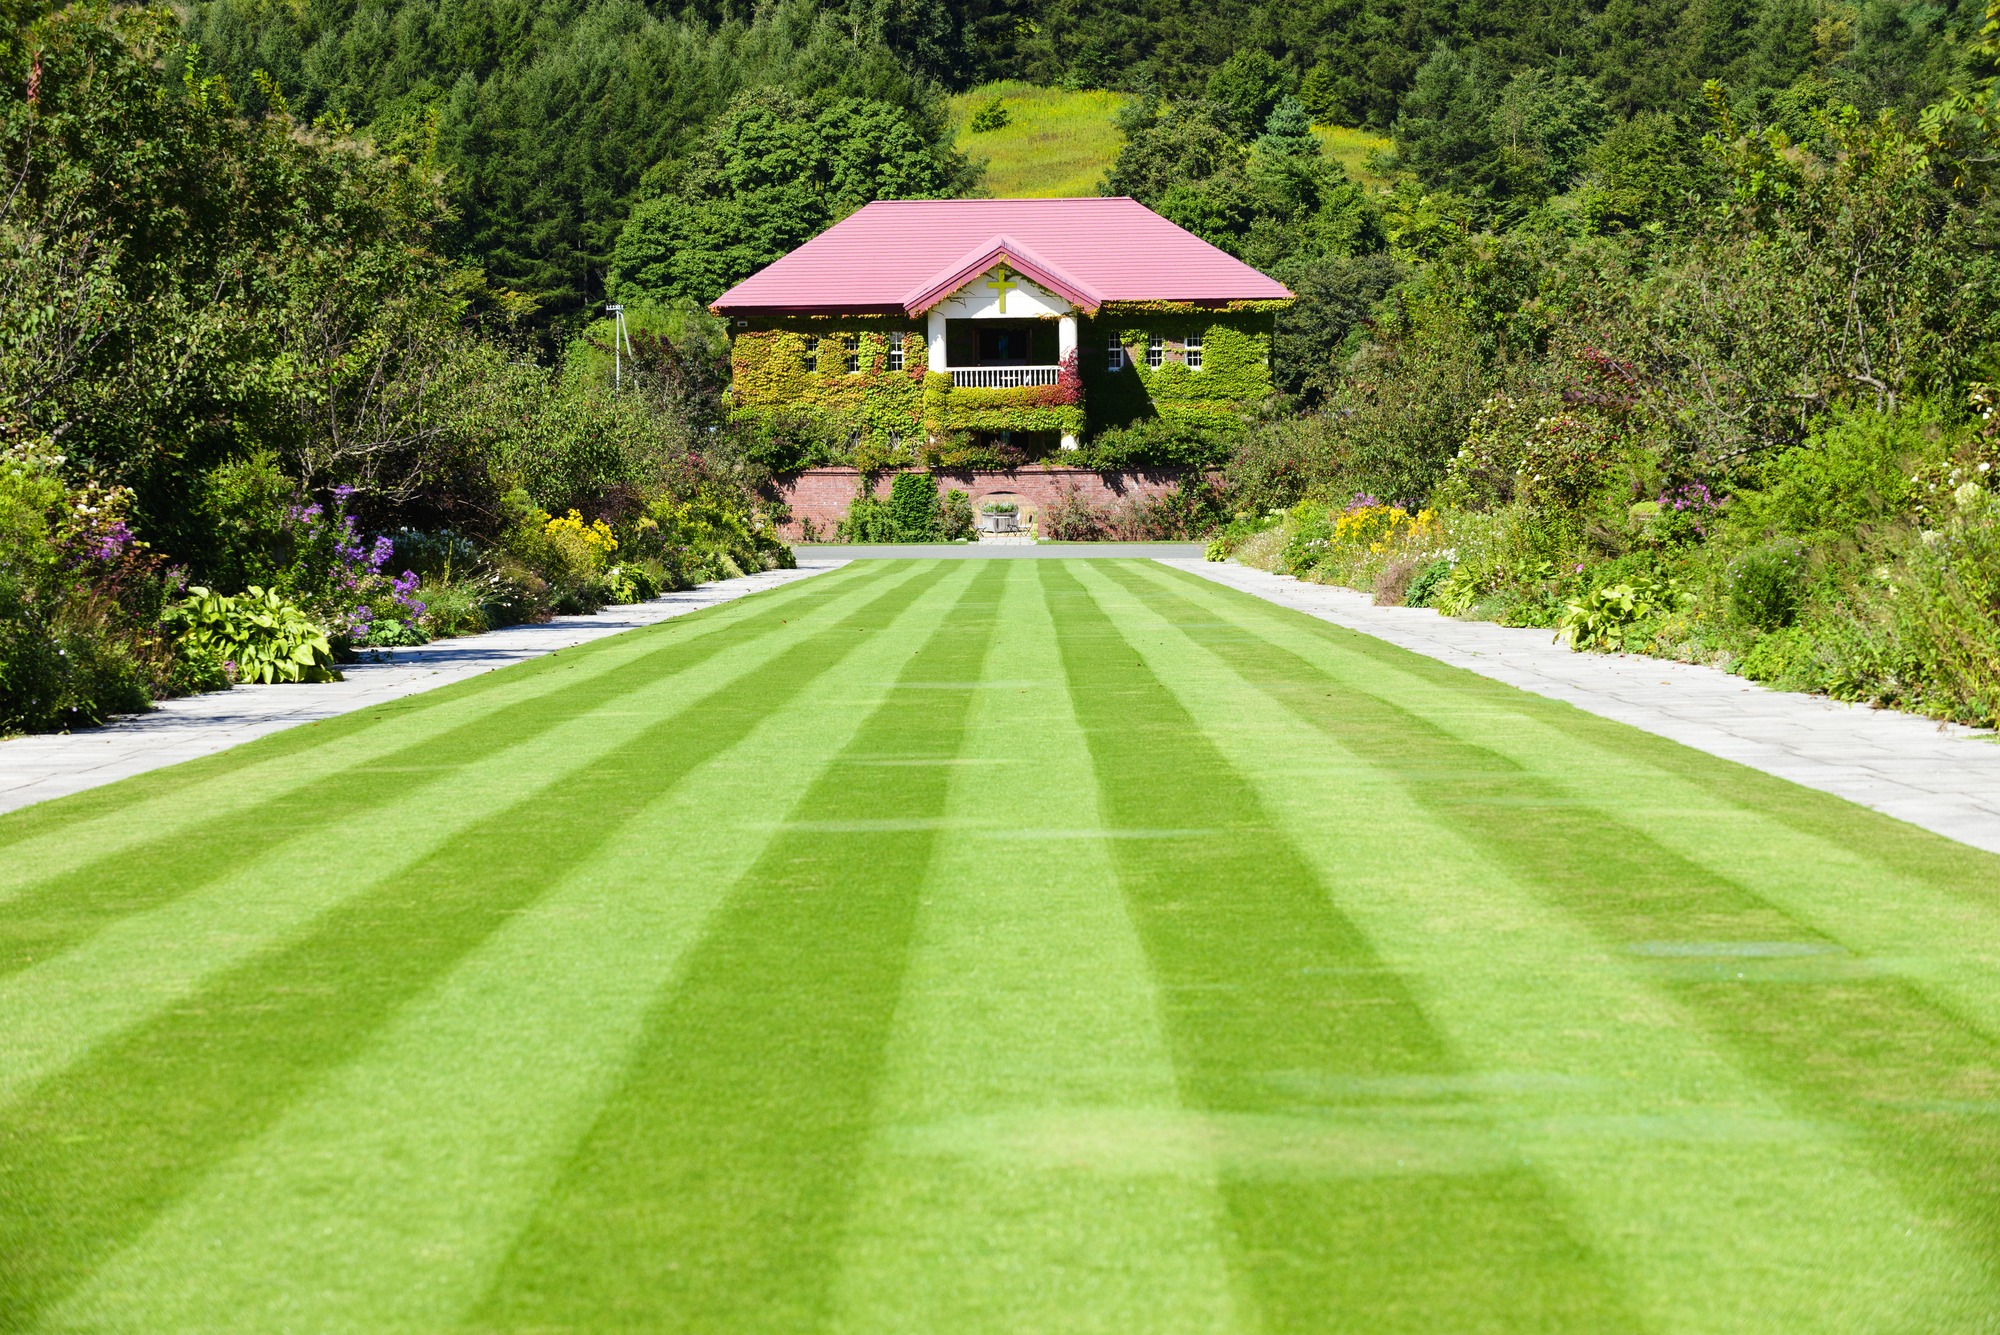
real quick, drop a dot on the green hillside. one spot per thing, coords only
(1058, 143)
(1054, 144)
(1352, 149)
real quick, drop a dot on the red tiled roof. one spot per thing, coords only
(910, 254)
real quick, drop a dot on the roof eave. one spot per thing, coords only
(1017, 256)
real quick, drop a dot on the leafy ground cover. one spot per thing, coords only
(990, 946)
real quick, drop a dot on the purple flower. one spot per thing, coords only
(1693, 496)
(380, 554)
(112, 542)
(342, 492)
(402, 588)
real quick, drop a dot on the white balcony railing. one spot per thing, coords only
(1003, 377)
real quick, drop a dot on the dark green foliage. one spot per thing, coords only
(913, 507)
(1545, 125)
(1767, 584)
(1158, 442)
(955, 521)
(1649, 171)
(773, 171)
(1425, 585)
(1445, 132)
(1317, 332)
(1281, 200)
(868, 520)
(1247, 87)
(1180, 149)
(547, 118)
(992, 115)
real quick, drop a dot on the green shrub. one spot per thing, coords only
(1606, 618)
(1158, 442)
(992, 115)
(389, 633)
(955, 517)
(913, 507)
(267, 638)
(247, 504)
(1852, 474)
(868, 520)
(1767, 584)
(1427, 583)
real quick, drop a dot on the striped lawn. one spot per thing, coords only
(991, 946)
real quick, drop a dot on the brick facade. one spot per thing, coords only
(822, 495)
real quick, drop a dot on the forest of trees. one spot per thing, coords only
(554, 121)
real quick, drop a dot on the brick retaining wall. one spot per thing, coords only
(823, 494)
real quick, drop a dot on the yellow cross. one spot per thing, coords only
(1001, 288)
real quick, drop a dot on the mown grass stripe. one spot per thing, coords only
(49, 837)
(1275, 1004)
(43, 918)
(385, 1197)
(141, 964)
(1871, 903)
(1856, 830)
(1871, 1051)
(98, 1151)
(1724, 1204)
(1032, 1169)
(712, 1192)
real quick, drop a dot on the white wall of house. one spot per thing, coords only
(1024, 300)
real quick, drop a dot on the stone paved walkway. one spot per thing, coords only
(1943, 778)
(34, 769)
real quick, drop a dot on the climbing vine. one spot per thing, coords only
(874, 416)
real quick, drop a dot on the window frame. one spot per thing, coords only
(1191, 351)
(1114, 354)
(812, 353)
(896, 357)
(1156, 351)
(850, 351)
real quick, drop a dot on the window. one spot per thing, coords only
(895, 349)
(851, 345)
(1156, 350)
(1114, 354)
(1193, 352)
(812, 352)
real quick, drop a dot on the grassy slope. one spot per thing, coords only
(1352, 149)
(1055, 144)
(1206, 968)
(1059, 143)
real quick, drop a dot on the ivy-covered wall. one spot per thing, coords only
(1235, 362)
(802, 367)
(884, 413)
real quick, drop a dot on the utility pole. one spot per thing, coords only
(621, 343)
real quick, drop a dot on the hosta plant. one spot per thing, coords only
(267, 638)
(1605, 617)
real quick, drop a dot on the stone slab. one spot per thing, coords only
(1942, 777)
(37, 768)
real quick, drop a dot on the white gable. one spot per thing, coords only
(1022, 299)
